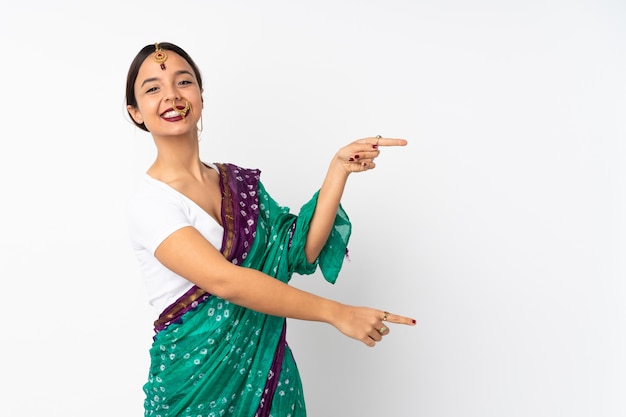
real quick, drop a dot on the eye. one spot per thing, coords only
(185, 82)
(151, 90)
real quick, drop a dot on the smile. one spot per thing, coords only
(170, 114)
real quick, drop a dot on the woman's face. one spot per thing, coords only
(160, 92)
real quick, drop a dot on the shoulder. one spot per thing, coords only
(149, 195)
(148, 188)
(154, 211)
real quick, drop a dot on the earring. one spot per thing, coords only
(200, 127)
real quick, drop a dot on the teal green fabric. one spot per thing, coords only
(333, 253)
(215, 361)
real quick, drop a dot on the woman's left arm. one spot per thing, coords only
(358, 156)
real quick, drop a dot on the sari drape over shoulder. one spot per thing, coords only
(210, 357)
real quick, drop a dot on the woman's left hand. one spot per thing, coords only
(359, 155)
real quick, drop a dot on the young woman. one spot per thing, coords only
(216, 252)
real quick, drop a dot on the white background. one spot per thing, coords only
(500, 227)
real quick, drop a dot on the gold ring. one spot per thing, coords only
(385, 314)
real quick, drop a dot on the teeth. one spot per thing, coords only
(170, 114)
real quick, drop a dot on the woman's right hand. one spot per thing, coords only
(367, 324)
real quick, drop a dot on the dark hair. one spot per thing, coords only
(145, 52)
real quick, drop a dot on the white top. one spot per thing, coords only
(155, 211)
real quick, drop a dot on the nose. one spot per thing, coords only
(173, 98)
(171, 94)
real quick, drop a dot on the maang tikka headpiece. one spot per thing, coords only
(159, 56)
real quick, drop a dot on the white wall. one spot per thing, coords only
(500, 227)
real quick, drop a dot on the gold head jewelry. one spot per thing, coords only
(159, 55)
(181, 112)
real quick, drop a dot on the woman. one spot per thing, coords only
(216, 252)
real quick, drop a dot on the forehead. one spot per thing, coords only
(150, 68)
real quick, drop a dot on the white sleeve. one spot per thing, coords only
(153, 216)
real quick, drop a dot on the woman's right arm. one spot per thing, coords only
(187, 253)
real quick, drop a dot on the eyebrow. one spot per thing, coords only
(148, 80)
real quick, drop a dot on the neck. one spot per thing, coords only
(177, 157)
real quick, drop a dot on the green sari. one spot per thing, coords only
(212, 358)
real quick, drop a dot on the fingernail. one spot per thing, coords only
(351, 159)
(375, 146)
(356, 156)
(414, 321)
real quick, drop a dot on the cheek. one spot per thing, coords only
(145, 107)
(198, 104)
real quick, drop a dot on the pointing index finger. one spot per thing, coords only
(397, 319)
(388, 141)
